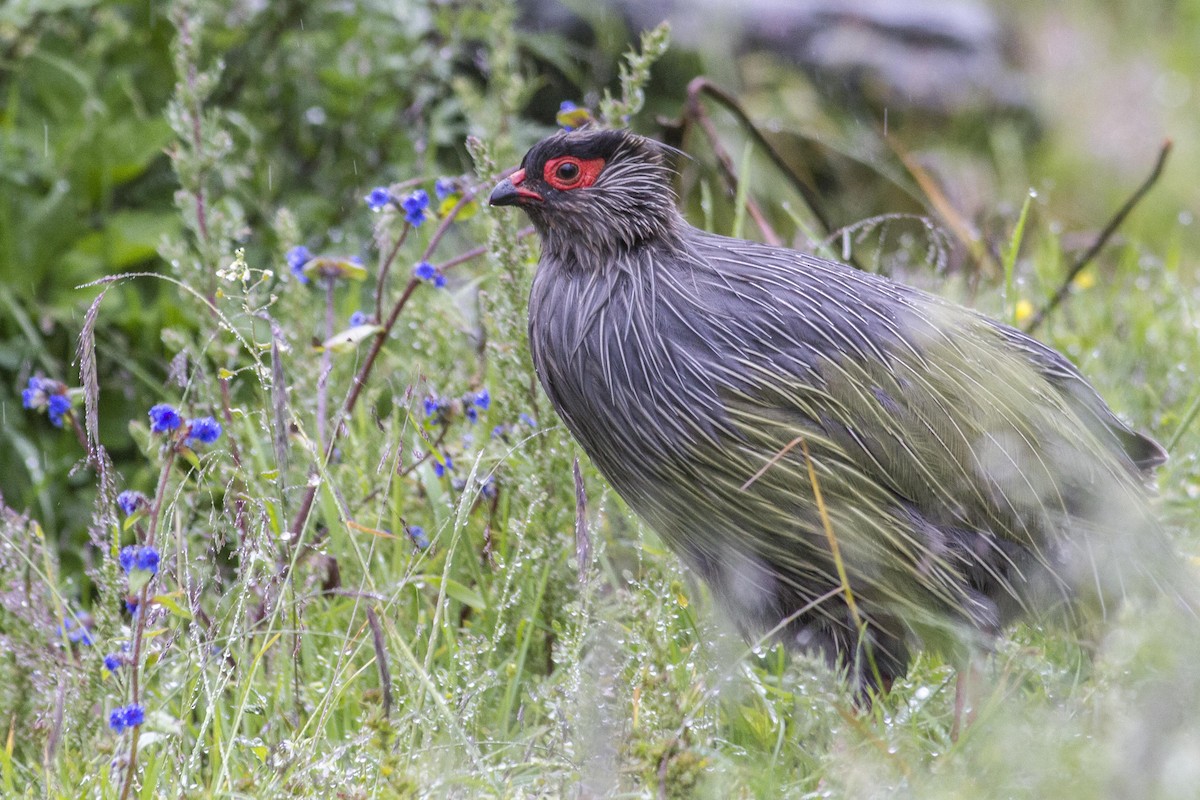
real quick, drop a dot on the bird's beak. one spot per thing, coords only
(509, 191)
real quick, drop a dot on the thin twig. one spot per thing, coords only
(239, 503)
(364, 372)
(1102, 239)
(433, 446)
(326, 369)
(385, 674)
(704, 86)
(160, 495)
(467, 196)
(696, 112)
(958, 225)
(381, 281)
(771, 462)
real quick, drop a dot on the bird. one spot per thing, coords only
(856, 468)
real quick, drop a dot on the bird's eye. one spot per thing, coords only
(569, 172)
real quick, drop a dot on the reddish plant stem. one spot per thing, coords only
(703, 86)
(79, 433)
(447, 221)
(696, 111)
(381, 282)
(364, 372)
(1101, 239)
(140, 629)
(326, 368)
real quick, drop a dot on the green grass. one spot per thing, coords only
(329, 655)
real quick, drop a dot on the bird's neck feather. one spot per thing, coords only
(591, 247)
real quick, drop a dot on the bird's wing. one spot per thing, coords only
(963, 437)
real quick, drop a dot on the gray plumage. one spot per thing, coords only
(968, 474)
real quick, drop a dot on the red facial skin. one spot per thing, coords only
(580, 173)
(517, 178)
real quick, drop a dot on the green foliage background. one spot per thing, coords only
(326, 654)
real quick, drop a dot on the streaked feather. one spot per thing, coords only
(970, 474)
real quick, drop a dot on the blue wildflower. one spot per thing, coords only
(44, 393)
(414, 207)
(428, 272)
(126, 558)
(164, 418)
(36, 393)
(75, 628)
(472, 414)
(483, 399)
(441, 467)
(134, 715)
(204, 430)
(358, 318)
(424, 271)
(57, 407)
(138, 557)
(443, 188)
(297, 257)
(129, 716)
(417, 534)
(379, 198)
(147, 559)
(130, 501)
(131, 604)
(432, 405)
(528, 420)
(498, 431)
(112, 662)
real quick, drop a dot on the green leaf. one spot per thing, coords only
(6, 764)
(132, 519)
(130, 146)
(19, 13)
(168, 602)
(189, 455)
(127, 239)
(463, 594)
(138, 578)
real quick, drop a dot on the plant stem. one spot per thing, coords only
(140, 629)
(1102, 239)
(381, 282)
(326, 368)
(364, 372)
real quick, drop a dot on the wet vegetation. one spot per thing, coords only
(284, 513)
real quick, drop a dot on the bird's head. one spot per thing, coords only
(600, 191)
